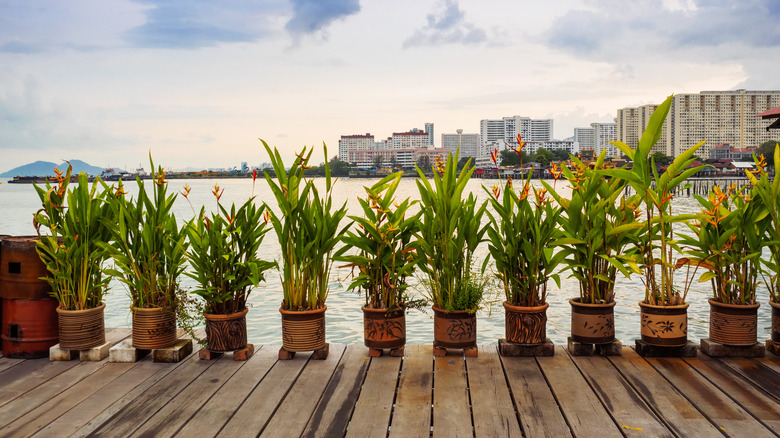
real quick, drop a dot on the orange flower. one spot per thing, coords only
(496, 190)
(120, 190)
(186, 191)
(494, 156)
(525, 192)
(520, 145)
(216, 192)
(254, 175)
(160, 180)
(267, 216)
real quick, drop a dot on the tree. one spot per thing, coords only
(560, 154)
(393, 162)
(662, 159)
(543, 157)
(377, 161)
(338, 167)
(462, 162)
(424, 163)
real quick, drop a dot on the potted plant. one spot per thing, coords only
(769, 192)
(385, 258)
(307, 227)
(664, 317)
(727, 241)
(449, 232)
(79, 221)
(226, 266)
(149, 252)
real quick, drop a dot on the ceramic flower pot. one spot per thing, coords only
(81, 329)
(664, 326)
(303, 331)
(384, 329)
(592, 323)
(775, 321)
(226, 332)
(153, 328)
(526, 325)
(733, 324)
(456, 329)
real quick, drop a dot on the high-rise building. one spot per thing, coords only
(603, 133)
(468, 143)
(356, 143)
(506, 129)
(586, 137)
(414, 139)
(429, 131)
(631, 123)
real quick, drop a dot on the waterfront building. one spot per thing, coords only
(468, 143)
(414, 139)
(507, 128)
(356, 142)
(631, 123)
(429, 131)
(603, 134)
(364, 159)
(586, 137)
(570, 146)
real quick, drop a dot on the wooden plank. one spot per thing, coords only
(62, 402)
(297, 407)
(628, 410)
(770, 361)
(728, 416)
(580, 405)
(213, 415)
(136, 412)
(412, 413)
(491, 404)
(451, 413)
(679, 415)
(374, 406)
(757, 373)
(260, 405)
(175, 414)
(104, 403)
(332, 414)
(535, 404)
(755, 401)
(7, 362)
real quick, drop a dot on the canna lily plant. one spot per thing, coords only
(769, 192)
(307, 227)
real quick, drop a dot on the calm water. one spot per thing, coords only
(18, 202)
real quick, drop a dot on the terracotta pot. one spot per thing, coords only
(226, 332)
(592, 323)
(526, 325)
(775, 321)
(733, 324)
(304, 330)
(29, 327)
(81, 329)
(664, 326)
(21, 269)
(456, 329)
(153, 328)
(383, 328)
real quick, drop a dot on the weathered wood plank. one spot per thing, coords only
(213, 415)
(629, 411)
(175, 414)
(491, 404)
(728, 416)
(535, 404)
(260, 405)
(581, 407)
(451, 413)
(296, 409)
(754, 371)
(7, 362)
(770, 361)
(412, 413)
(332, 414)
(61, 402)
(371, 416)
(756, 402)
(136, 412)
(679, 415)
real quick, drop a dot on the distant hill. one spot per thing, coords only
(46, 168)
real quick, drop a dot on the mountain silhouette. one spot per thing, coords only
(46, 168)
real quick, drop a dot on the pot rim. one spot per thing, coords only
(78, 312)
(714, 302)
(525, 308)
(440, 310)
(653, 306)
(147, 309)
(576, 302)
(396, 310)
(774, 304)
(303, 312)
(224, 316)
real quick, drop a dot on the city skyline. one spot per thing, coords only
(197, 82)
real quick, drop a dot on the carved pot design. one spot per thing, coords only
(226, 332)
(526, 325)
(81, 329)
(733, 324)
(775, 321)
(383, 328)
(304, 330)
(153, 328)
(592, 323)
(664, 326)
(456, 329)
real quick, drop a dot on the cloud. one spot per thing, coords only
(310, 16)
(448, 26)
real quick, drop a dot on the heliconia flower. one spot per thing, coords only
(541, 197)
(208, 223)
(120, 190)
(496, 190)
(509, 181)
(267, 216)
(254, 175)
(494, 156)
(524, 193)
(761, 164)
(217, 194)
(160, 180)
(186, 191)
(520, 144)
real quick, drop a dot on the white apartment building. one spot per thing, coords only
(354, 143)
(506, 129)
(631, 123)
(603, 134)
(586, 137)
(570, 146)
(364, 159)
(468, 143)
(429, 131)
(414, 139)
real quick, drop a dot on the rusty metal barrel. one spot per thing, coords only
(21, 269)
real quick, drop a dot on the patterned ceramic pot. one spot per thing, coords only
(664, 326)
(592, 323)
(81, 329)
(383, 328)
(526, 325)
(456, 329)
(153, 328)
(733, 324)
(303, 331)
(226, 332)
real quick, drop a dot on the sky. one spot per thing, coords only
(197, 82)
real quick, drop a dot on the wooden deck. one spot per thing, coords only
(350, 394)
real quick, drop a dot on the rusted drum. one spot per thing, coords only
(384, 328)
(153, 328)
(733, 324)
(226, 332)
(29, 328)
(303, 331)
(775, 321)
(21, 269)
(82, 329)
(664, 326)
(456, 329)
(592, 323)
(526, 325)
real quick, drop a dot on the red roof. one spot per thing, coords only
(770, 114)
